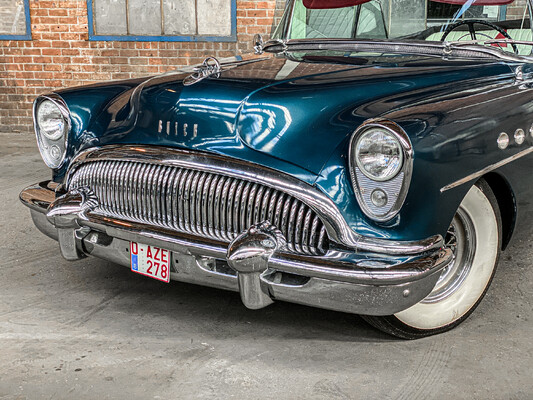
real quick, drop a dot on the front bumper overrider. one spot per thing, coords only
(370, 283)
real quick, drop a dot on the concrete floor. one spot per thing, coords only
(94, 330)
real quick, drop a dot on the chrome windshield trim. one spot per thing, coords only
(486, 170)
(337, 228)
(396, 46)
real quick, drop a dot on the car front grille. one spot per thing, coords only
(198, 202)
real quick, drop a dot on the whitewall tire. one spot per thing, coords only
(475, 239)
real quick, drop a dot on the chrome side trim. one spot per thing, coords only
(486, 170)
(406, 170)
(337, 228)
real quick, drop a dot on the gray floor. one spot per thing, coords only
(94, 330)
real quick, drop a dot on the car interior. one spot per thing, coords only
(449, 20)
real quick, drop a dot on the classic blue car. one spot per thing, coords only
(373, 157)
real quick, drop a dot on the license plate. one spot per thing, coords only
(150, 261)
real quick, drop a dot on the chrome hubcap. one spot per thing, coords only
(461, 239)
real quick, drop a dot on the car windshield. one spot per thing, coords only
(492, 21)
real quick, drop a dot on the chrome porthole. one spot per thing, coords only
(519, 136)
(503, 140)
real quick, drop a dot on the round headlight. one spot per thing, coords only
(50, 120)
(52, 123)
(378, 154)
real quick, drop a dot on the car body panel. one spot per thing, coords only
(297, 113)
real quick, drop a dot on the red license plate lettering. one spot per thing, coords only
(150, 261)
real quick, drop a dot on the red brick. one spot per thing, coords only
(51, 52)
(62, 60)
(70, 52)
(52, 67)
(33, 67)
(31, 52)
(42, 60)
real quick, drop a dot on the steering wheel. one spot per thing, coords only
(472, 31)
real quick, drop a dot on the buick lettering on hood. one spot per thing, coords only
(371, 157)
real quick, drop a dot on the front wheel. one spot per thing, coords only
(474, 237)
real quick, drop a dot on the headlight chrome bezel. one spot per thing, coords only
(45, 141)
(363, 183)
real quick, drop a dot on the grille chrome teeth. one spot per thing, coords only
(198, 202)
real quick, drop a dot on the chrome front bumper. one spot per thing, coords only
(362, 283)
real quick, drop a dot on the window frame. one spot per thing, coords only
(27, 34)
(93, 36)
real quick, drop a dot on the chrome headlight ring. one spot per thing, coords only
(381, 194)
(52, 142)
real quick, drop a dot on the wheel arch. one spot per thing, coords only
(506, 202)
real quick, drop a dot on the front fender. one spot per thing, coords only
(91, 108)
(454, 136)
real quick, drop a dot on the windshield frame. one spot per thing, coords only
(280, 38)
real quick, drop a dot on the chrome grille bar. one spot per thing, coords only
(198, 202)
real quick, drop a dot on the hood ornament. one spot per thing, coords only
(210, 67)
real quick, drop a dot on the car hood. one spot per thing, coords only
(297, 110)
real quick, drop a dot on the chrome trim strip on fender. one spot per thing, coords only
(337, 228)
(486, 170)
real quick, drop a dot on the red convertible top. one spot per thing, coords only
(319, 4)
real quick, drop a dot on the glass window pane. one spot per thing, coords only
(110, 17)
(12, 17)
(144, 17)
(371, 22)
(179, 17)
(331, 23)
(213, 17)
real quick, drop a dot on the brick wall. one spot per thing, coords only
(516, 9)
(60, 54)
